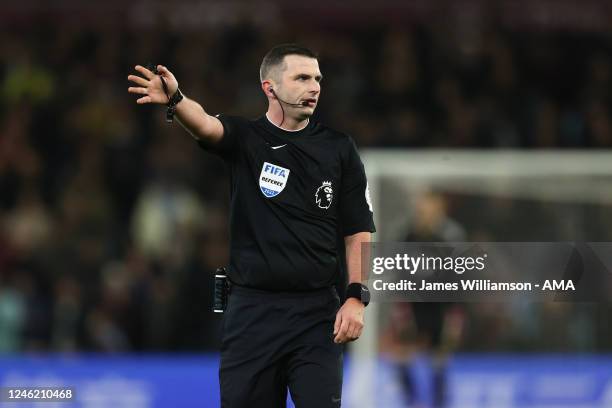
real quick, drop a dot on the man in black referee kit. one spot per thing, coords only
(295, 186)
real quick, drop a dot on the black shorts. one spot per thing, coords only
(278, 340)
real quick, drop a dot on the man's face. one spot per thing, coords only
(300, 82)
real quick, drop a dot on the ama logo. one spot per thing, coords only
(272, 179)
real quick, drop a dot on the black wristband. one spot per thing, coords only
(174, 100)
(358, 291)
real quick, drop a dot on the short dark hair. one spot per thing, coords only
(276, 56)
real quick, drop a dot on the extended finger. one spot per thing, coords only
(138, 80)
(144, 99)
(137, 90)
(147, 74)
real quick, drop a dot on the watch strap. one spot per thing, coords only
(358, 291)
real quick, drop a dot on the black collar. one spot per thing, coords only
(286, 134)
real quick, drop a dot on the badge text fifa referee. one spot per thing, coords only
(296, 186)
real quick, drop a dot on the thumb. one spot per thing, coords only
(338, 323)
(163, 71)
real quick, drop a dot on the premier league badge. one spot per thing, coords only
(273, 179)
(324, 195)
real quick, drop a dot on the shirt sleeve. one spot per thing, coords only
(229, 145)
(356, 214)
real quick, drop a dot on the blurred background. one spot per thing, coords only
(112, 221)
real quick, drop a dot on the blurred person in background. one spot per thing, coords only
(296, 186)
(432, 328)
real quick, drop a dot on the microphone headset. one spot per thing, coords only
(295, 105)
(303, 103)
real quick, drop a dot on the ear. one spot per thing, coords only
(267, 86)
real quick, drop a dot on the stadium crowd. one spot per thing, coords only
(112, 221)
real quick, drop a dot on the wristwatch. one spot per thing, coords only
(358, 291)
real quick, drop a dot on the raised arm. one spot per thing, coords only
(189, 113)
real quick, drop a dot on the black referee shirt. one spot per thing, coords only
(292, 193)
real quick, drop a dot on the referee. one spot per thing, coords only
(296, 186)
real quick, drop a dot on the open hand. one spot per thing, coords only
(150, 85)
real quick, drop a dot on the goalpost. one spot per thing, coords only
(570, 185)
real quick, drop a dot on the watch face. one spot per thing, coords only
(365, 294)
